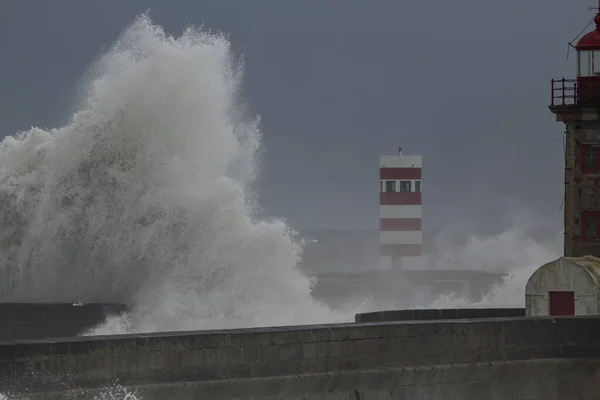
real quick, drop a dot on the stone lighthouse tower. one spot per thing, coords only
(576, 103)
(570, 285)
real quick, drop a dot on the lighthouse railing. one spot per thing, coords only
(564, 92)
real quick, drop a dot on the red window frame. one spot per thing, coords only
(584, 148)
(584, 218)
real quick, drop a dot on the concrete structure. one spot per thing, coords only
(567, 286)
(576, 102)
(437, 314)
(37, 321)
(400, 205)
(502, 358)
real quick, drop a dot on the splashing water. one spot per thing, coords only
(116, 392)
(512, 251)
(145, 198)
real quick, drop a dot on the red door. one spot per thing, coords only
(562, 303)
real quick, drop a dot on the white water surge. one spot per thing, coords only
(145, 197)
(513, 251)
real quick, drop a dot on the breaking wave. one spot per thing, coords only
(145, 197)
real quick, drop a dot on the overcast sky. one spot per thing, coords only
(465, 83)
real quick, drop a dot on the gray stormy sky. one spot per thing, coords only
(465, 83)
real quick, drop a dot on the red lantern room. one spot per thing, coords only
(588, 66)
(585, 90)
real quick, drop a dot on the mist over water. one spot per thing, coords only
(513, 251)
(145, 197)
(516, 252)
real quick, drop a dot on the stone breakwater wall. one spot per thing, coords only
(496, 358)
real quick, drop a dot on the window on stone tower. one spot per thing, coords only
(590, 158)
(590, 225)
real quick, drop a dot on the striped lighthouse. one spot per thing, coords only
(400, 210)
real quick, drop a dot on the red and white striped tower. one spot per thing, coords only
(400, 206)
